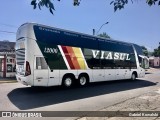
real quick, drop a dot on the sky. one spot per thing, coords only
(137, 23)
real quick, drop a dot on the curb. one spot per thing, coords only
(8, 81)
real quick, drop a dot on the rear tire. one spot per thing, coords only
(83, 80)
(67, 81)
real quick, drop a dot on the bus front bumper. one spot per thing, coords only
(21, 79)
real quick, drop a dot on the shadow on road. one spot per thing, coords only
(29, 98)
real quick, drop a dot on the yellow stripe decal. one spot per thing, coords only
(79, 57)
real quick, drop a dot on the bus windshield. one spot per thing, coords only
(143, 61)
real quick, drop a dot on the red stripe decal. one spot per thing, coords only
(68, 57)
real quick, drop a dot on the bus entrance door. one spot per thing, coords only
(40, 71)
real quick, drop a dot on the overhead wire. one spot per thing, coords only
(8, 25)
(7, 32)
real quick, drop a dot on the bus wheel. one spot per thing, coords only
(67, 81)
(133, 77)
(82, 80)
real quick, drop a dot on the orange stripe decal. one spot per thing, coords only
(73, 57)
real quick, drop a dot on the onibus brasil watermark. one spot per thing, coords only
(21, 114)
(80, 113)
(144, 114)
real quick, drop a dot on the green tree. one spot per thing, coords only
(145, 51)
(104, 34)
(156, 52)
(48, 4)
(117, 4)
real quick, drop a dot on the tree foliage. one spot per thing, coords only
(156, 52)
(145, 51)
(41, 3)
(104, 34)
(117, 4)
(48, 4)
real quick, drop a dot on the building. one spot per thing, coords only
(154, 61)
(7, 59)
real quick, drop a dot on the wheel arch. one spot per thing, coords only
(135, 72)
(66, 75)
(86, 75)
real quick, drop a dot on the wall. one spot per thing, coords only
(154, 61)
(10, 65)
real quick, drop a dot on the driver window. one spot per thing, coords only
(142, 62)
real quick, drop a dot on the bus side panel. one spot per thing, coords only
(37, 75)
(54, 78)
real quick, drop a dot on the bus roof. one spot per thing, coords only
(78, 33)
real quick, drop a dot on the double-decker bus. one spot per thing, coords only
(49, 56)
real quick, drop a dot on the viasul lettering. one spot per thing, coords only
(110, 55)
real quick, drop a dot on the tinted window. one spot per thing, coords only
(61, 37)
(138, 49)
(107, 64)
(115, 46)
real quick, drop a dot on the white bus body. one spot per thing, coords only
(48, 56)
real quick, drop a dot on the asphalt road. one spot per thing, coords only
(94, 97)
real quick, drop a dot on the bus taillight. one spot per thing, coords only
(28, 70)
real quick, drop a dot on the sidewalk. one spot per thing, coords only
(8, 80)
(150, 70)
(148, 102)
(143, 103)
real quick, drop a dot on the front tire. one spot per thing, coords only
(133, 77)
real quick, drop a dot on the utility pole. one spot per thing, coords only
(4, 65)
(93, 31)
(99, 28)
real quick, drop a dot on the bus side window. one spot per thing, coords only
(41, 63)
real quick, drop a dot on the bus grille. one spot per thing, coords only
(20, 56)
